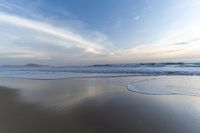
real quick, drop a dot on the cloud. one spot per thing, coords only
(159, 51)
(5, 6)
(37, 38)
(118, 24)
(33, 40)
(17, 52)
(9, 6)
(193, 41)
(136, 17)
(58, 32)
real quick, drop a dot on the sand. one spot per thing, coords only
(78, 106)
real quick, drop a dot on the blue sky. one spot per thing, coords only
(81, 32)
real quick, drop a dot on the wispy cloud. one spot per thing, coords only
(26, 53)
(118, 24)
(45, 38)
(55, 31)
(193, 41)
(136, 17)
(9, 5)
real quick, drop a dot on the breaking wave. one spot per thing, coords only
(169, 78)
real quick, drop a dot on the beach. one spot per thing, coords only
(99, 66)
(82, 106)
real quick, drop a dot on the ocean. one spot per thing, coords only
(147, 78)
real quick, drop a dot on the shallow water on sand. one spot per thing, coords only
(95, 105)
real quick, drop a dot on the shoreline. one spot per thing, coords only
(78, 106)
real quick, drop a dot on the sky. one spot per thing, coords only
(86, 32)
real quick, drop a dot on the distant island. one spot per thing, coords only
(35, 65)
(151, 64)
(26, 65)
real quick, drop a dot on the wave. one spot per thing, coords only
(167, 86)
(98, 71)
(163, 64)
(172, 86)
(72, 77)
(153, 91)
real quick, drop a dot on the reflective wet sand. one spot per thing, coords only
(79, 106)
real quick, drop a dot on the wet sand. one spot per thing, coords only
(78, 106)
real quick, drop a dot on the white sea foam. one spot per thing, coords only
(168, 86)
(158, 79)
(93, 71)
(153, 91)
